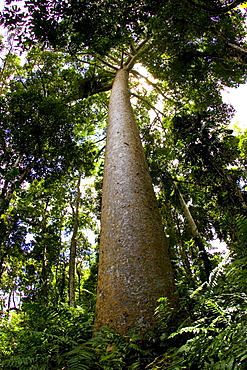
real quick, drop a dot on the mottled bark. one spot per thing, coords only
(134, 264)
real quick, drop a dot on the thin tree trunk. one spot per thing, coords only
(45, 270)
(9, 300)
(183, 253)
(63, 282)
(79, 283)
(134, 264)
(2, 266)
(195, 233)
(73, 243)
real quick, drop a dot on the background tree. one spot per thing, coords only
(37, 143)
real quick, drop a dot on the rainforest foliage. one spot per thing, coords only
(57, 67)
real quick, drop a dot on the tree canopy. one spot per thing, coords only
(53, 114)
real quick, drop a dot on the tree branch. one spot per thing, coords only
(217, 11)
(132, 58)
(102, 89)
(106, 63)
(155, 86)
(148, 103)
(234, 46)
(232, 5)
(115, 60)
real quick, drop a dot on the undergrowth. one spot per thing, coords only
(209, 332)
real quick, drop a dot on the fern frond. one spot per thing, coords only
(219, 270)
(18, 362)
(76, 363)
(241, 222)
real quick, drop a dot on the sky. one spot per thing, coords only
(238, 98)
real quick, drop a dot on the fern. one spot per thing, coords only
(18, 362)
(76, 363)
(241, 221)
(219, 270)
(216, 338)
(40, 339)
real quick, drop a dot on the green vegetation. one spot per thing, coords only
(209, 332)
(57, 68)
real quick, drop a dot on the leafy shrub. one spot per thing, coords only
(49, 338)
(111, 351)
(215, 334)
(38, 337)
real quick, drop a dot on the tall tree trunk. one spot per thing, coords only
(134, 264)
(44, 289)
(2, 266)
(195, 233)
(183, 253)
(72, 257)
(63, 283)
(79, 275)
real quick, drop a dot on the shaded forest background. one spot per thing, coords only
(53, 116)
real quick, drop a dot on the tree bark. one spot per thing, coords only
(195, 233)
(73, 243)
(134, 264)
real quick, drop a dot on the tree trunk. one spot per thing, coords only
(183, 253)
(73, 243)
(134, 264)
(195, 234)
